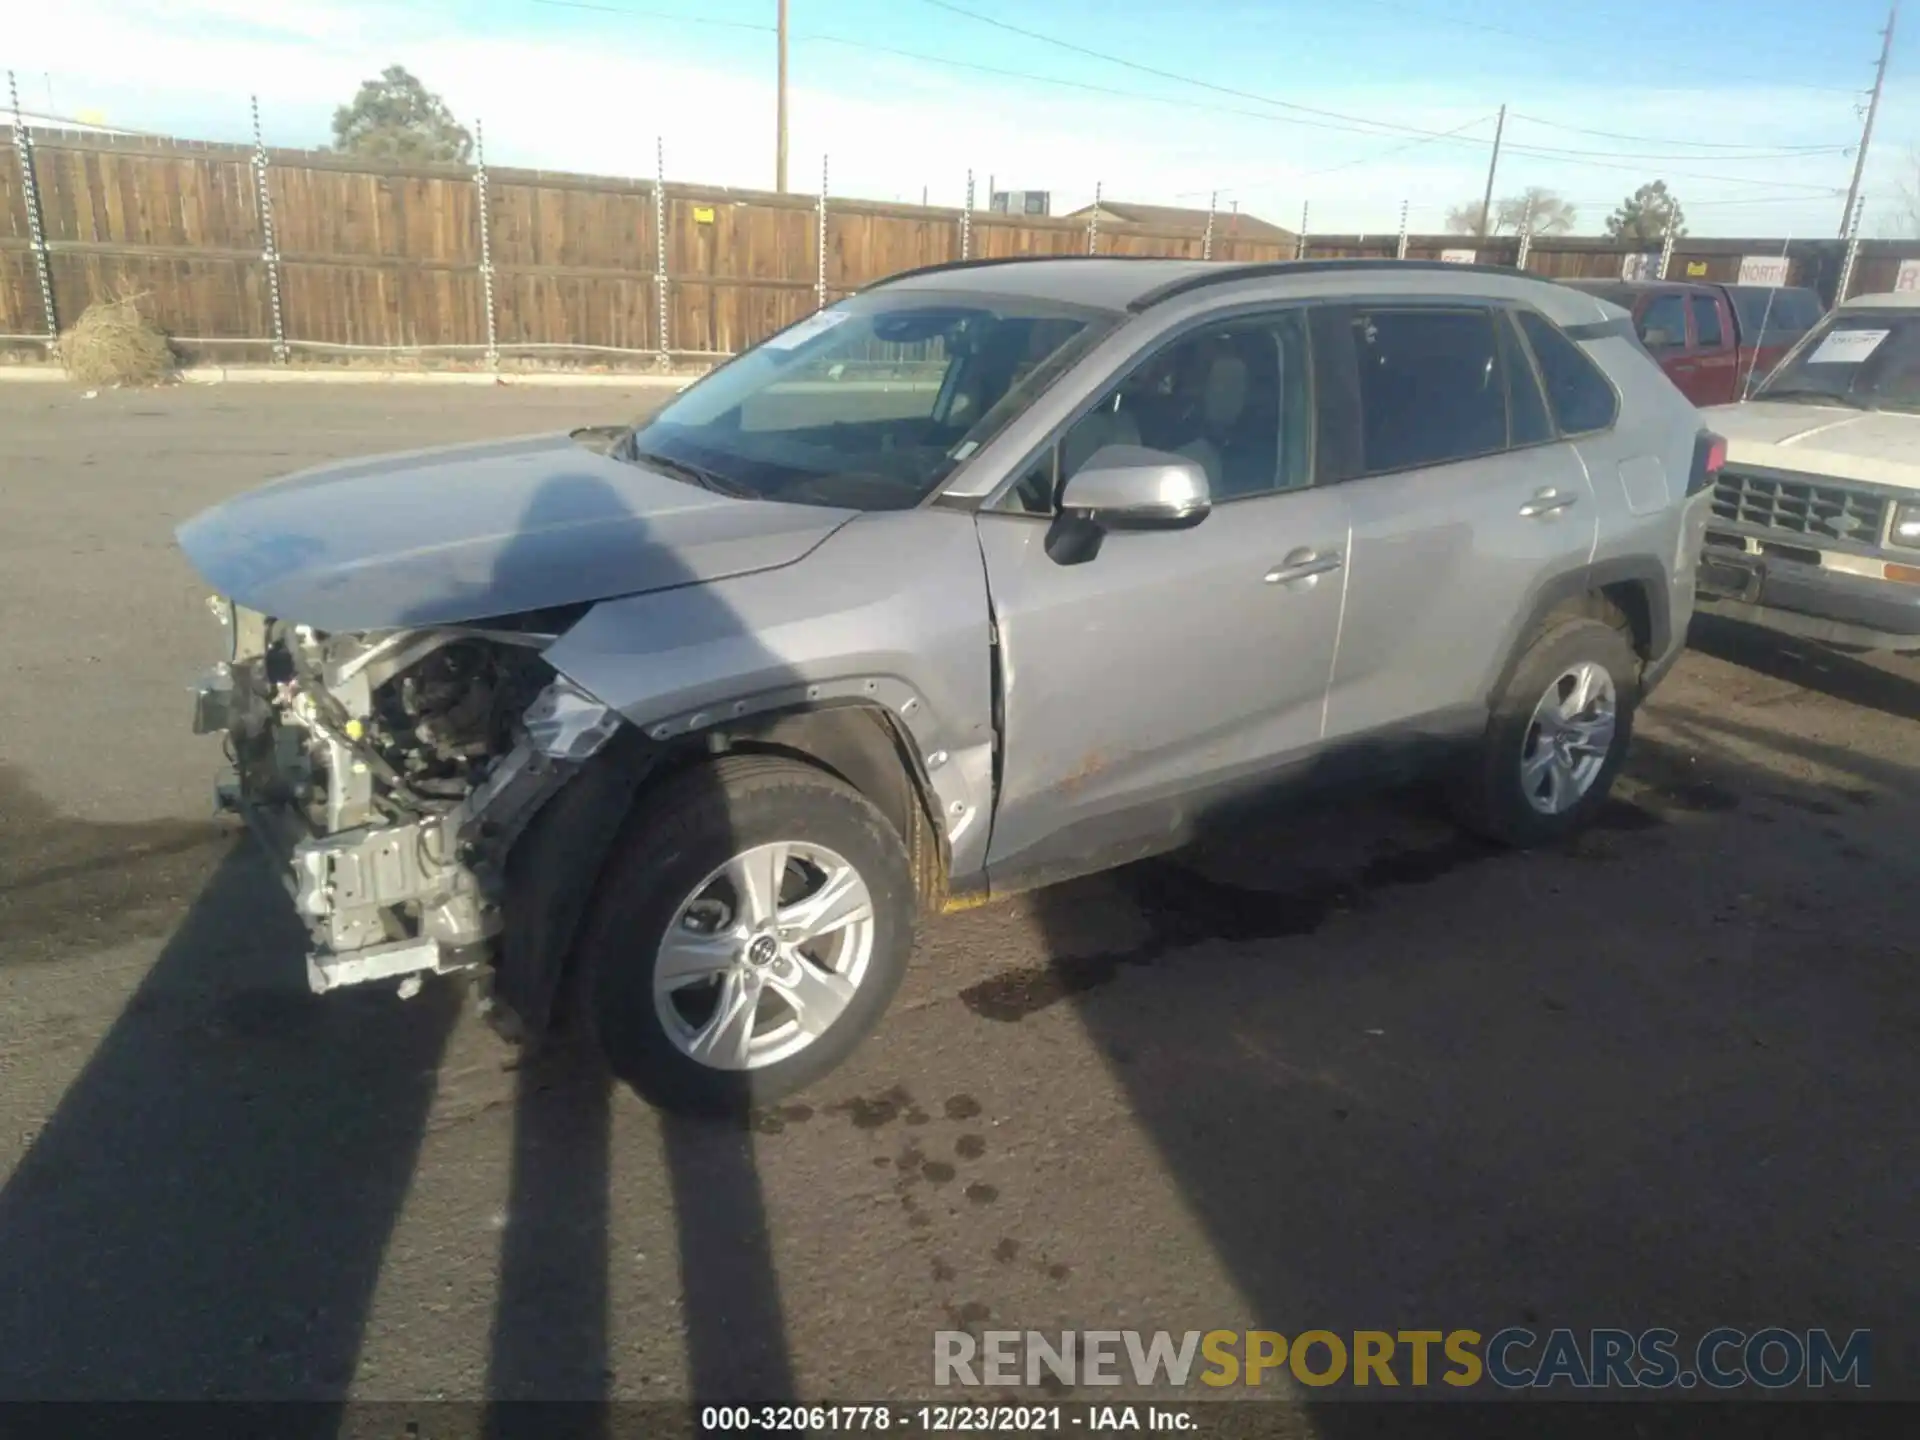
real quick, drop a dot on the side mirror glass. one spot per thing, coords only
(1130, 487)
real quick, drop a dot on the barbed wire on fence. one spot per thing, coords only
(341, 256)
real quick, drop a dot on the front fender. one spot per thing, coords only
(891, 610)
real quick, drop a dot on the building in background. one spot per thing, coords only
(1228, 224)
(1021, 202)
(87, 122)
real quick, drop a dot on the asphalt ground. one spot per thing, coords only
(1350, 1071)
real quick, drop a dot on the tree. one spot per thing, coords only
(1646, 214)
(1551, 214)
(1906, 221)
(1538, 207)
(1465, 219)
(398, 118)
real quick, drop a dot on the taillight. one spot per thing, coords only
(1709, 458)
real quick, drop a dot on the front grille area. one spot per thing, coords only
(1800, 507)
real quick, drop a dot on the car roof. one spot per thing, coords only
(1121, 283)
(1651, 287)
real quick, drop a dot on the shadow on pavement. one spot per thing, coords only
(205, 1213)
(550, 1336)
(1806, 663)
(1659, 1076)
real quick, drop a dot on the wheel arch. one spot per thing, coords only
(554, 870)
(1629, 588)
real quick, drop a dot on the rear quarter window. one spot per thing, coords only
(1775, 317)
(1578, 393)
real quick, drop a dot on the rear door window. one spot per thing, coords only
(1578, 394)
(1707, 334)
(1430, 386)
(1663, 324)
(1795, 313)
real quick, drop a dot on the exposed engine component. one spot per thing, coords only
(394, 772)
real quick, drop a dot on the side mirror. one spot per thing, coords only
(1129, 487)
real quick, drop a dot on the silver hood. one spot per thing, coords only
(472, 532)
(1881, 447)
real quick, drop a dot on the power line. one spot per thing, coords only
(1078, 49)
(1175, 76)
(1654, 139)
(1332, 119)
(1641, 168)
(1561, 43)
(1396, 150)
(1752, 156)
(1028, 75)
(1362, 125)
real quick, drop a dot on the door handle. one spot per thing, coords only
(1547, 502)
(1302, 565)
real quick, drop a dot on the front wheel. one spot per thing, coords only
(1556, 739)
(752, 926)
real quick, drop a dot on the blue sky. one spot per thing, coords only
(1732, 103)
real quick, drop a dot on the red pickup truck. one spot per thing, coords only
(1714, 341)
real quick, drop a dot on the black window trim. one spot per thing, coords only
(1512, 343)
(1577, 335)
(1696, 341)
(995, 501)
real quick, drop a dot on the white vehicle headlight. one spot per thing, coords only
(1906, 526)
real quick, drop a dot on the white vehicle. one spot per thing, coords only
(1815, 527)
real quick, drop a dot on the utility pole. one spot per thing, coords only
(1486, 205)
(1873, 108)
(780, 149)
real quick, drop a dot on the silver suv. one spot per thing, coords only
(990, 575)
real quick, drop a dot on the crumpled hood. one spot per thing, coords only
(1878, 446)
(473, 532)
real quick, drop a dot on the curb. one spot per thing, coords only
(261, 374)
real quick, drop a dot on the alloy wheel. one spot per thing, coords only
(764, 955)
(1569, 738)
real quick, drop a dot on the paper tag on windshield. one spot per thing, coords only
(1846, 347)
(817, 323)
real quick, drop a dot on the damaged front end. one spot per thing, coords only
(391, 773)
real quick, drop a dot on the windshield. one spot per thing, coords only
(869, 404)
(1868, 359)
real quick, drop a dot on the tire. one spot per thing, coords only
(664, 882)
(1495, 794)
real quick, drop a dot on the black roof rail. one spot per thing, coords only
(1255, 270)
(1001, 260)
(1216, 272)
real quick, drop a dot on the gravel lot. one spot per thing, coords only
(1352, 1071)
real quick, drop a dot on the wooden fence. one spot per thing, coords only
(381, 259)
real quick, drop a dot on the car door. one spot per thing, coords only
(1662, 323)
(1174, 671)
(1715, 357)
(1460, 499)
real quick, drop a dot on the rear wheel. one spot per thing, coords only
(1556, 739)
(751, 928)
